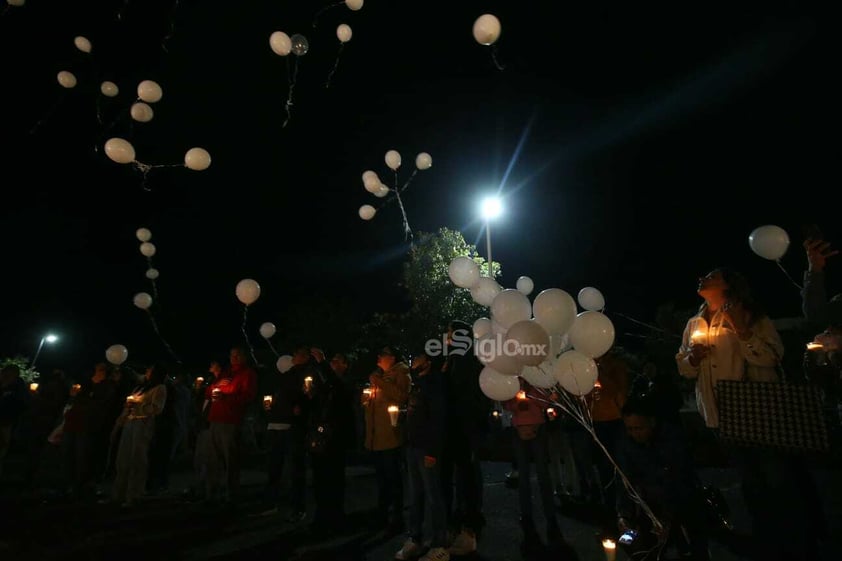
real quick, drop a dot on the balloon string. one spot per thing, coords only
(408, 181)
(406, 229)
(245, 333)
(798, 286)
(494, 58)
(171, 31)
(152, 281)
(323, 10)
(145, 169)
(335, 65)
(161, 337)
(652, 327)
(292, 77)
(46, 116)
(271, 346)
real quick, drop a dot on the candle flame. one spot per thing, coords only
(698, 335)
(814, 346)
(393, 409)
(609, 544)
(521, 394)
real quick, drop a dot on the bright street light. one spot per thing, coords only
(491, 208)
(48, 338)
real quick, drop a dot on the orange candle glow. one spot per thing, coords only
(814, 346)
(521, 394)
(610, 549)
(33, 387)
(698, 336)
(393, 414)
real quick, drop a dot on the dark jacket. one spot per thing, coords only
(468, 409)
(425, 414)
(332, 406)
(14, 401)
(287, 394)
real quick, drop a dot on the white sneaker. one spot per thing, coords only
(410, 550)
(436, 554)
(464, 543)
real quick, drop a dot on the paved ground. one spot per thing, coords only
(37, 527)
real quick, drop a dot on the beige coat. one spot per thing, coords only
(393, 389)
(755, 359)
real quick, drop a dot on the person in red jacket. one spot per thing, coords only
(230, 395)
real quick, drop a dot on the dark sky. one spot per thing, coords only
(636, 145)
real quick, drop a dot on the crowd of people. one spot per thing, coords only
(423, 422)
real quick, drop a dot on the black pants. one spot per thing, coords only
(461, 464)
(387, 465)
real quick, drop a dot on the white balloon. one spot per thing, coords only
(497, 386)
(120, 150)
(393, 159)
(382, 191)
(423, 161)
(367, 212)
(280, 43)
(482, 327)
(141, 112)
(463, 272)
(486, 29)
(354, 4)
(555, 309)
(116, 354)
(267, 330)
(82, 43)
(592, 334)
(66, 79)
(284, 363)
(152, 273)
(343, 32)
(530, 342)
(525, 286)
(197, 159)
(576, 372)
(485, 290)
(150, 91)
(540, 376)
(148, 249)
(591, 299)
(371, 182)
(510, 307)
(109, 89)
(248, 291)
(143, 234)
(142, 300)
(769, 242)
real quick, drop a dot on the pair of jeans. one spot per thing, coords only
(537, 450)
(425, 489)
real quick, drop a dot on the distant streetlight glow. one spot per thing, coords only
(48, 338)
(491, 208)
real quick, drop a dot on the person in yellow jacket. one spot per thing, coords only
(389, 387)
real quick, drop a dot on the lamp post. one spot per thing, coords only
(491, 208)
(48, 338)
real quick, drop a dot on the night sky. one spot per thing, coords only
(636, 146)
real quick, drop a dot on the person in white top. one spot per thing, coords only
(730, 338)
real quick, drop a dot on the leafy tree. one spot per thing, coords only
(26, 373)
(435, 300)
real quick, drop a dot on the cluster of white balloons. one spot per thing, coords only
(116, 354)
(247, 292)
(66, 78)
(373, 184)
(142, 299)
(546, 341)
(769, 242)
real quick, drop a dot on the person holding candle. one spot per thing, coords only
(390, 385)
(142, 406)
(819, 310)
(425, 429)
(740, 342)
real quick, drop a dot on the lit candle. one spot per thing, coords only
(308, 383)
(551, 412)
(267, 400)
(495, 414)
(814, 346)
(367, 393)
(76, 387)
(33, 387)
(200, 380)
(698, 336)
(521, 394)
(610, 548)
(393, 414)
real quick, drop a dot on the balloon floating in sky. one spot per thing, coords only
(344, 34)
(143, 234)
(300, 45)
(82, 43)
(197, 159)
(486, 32)
(354, 4)
(142, 300)
(149, 91)
(769, 242)
(66, 79)
(141, 112)
(280, 43)
(148, 249)
(109, 89)
(247, 291)
(120, 150)
(116, 354)
(373, 184)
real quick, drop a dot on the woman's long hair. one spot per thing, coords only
(159, 375)
(739, 291)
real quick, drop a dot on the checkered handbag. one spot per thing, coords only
(781, 416)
